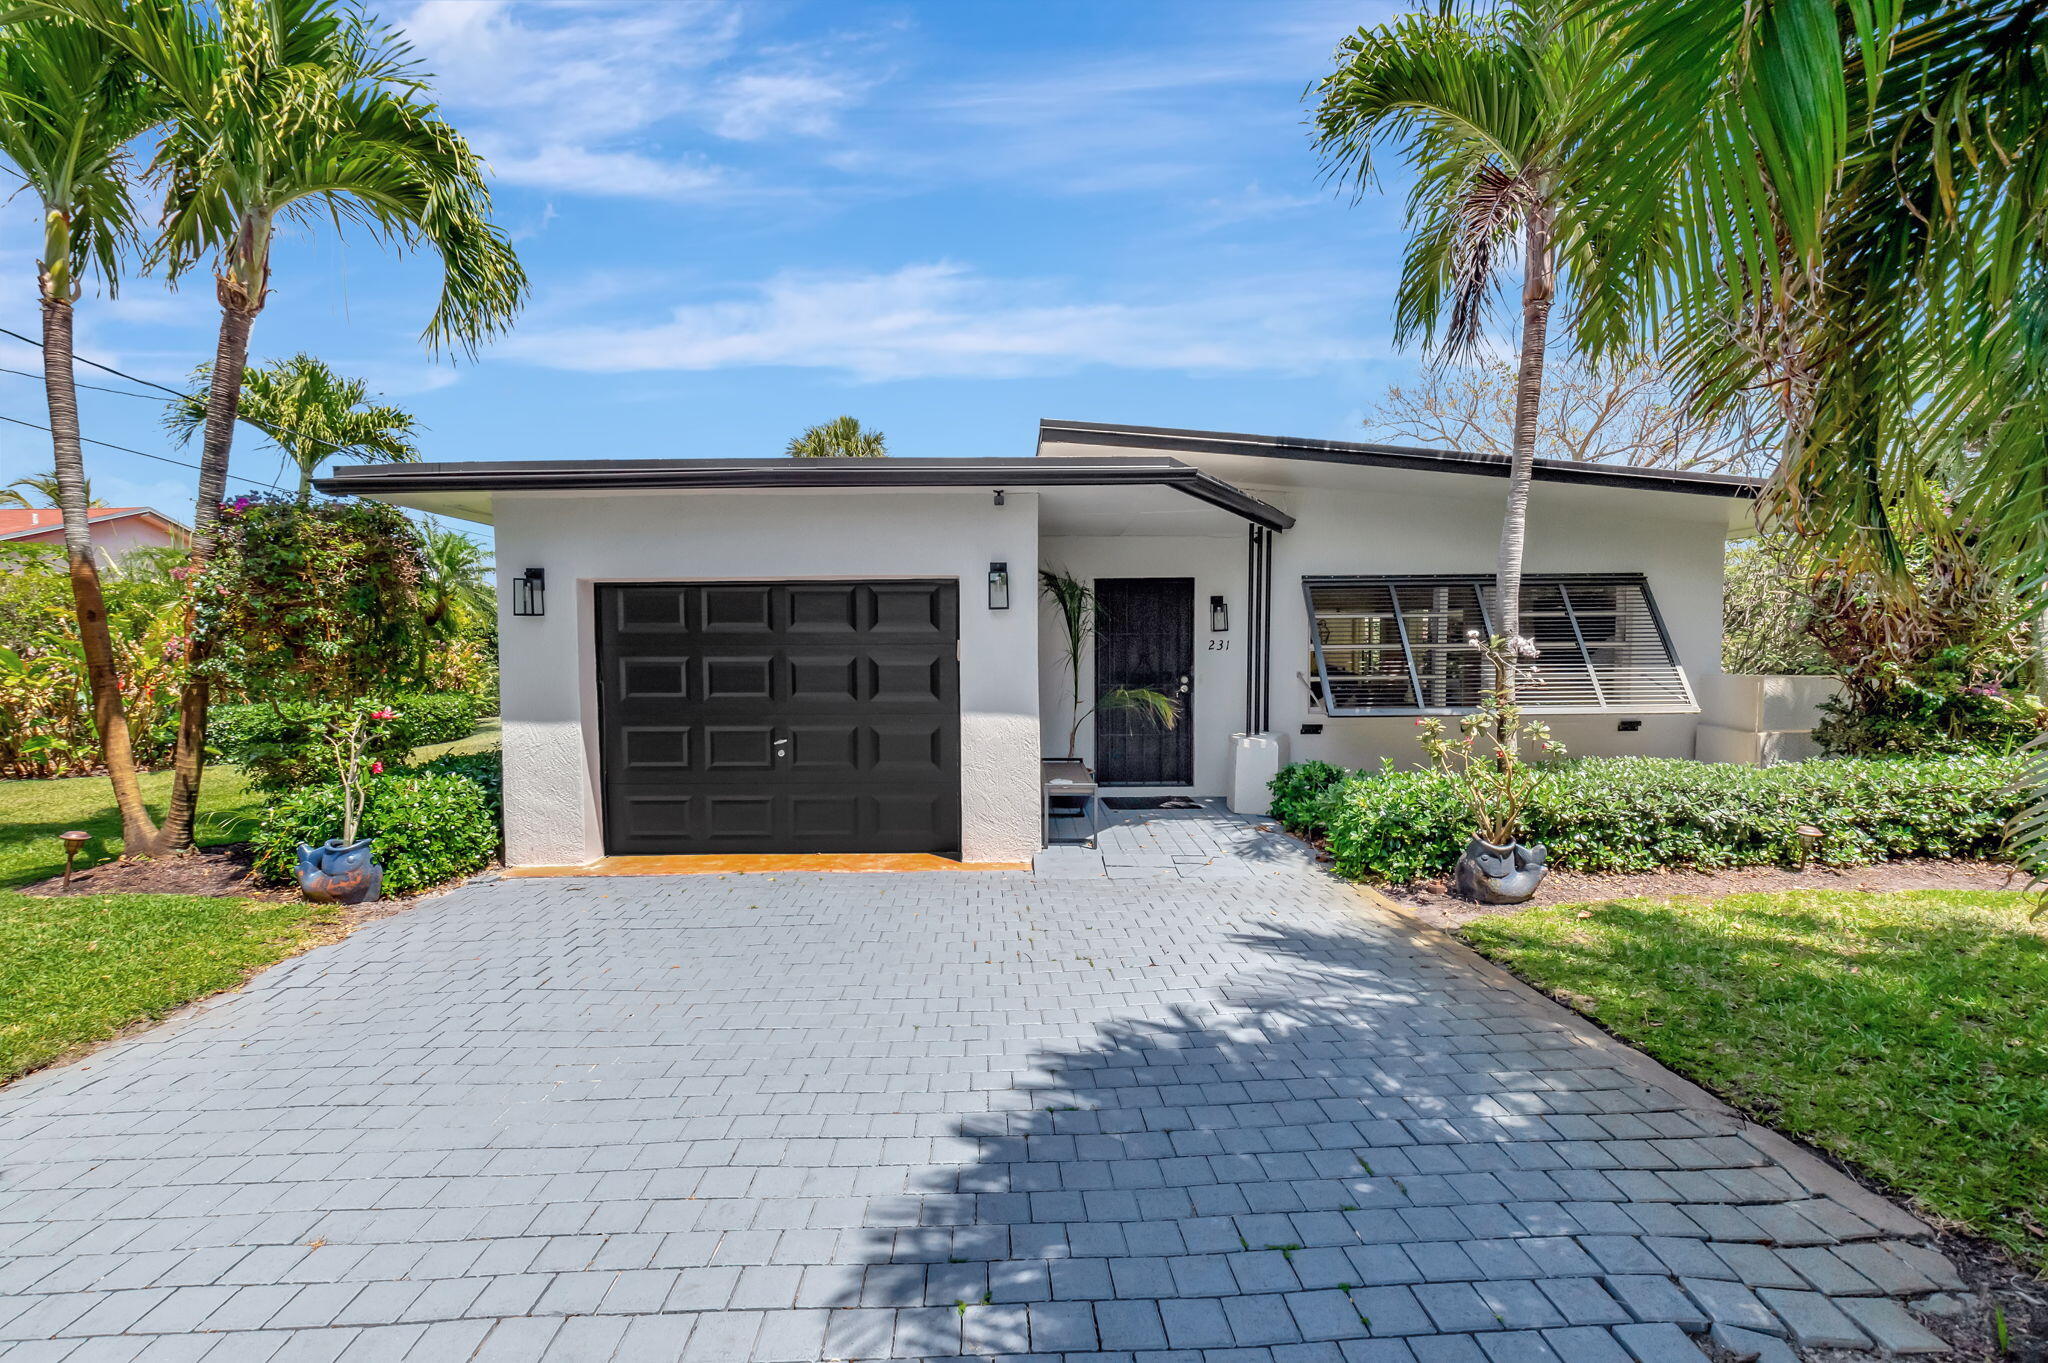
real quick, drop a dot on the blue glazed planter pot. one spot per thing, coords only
(340, 873)
(1492, 874)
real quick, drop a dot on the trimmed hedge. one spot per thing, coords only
(427, 827)
(280, 748)
(1647, 813)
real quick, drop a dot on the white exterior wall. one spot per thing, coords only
(1676, 540)
(548, 668)
(1218, 566)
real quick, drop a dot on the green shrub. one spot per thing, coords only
(1301, 793)
(427, 828)
(280, 747)
(1646, 813)
(486, 769)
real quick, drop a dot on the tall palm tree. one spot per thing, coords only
(295, 112)
(1486, 107)
(71, 101)
(842, 437)
(311, 413)
(1855, 200)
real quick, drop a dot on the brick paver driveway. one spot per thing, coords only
(1207, 1113)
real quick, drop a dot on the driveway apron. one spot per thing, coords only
(1186, 1099)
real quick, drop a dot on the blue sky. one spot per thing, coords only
(949, 219)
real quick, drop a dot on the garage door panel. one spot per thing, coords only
(653, 678)
(739, 678)
(641, 610)
(729, 610)
(832, 678)
(661, 748)
(858, 680)
(913, 610)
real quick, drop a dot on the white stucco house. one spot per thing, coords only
(780, 655)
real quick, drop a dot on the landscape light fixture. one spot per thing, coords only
(74, 842)
(529, 593)
(998, 586)
(1219, 616)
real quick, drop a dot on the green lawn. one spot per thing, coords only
(33, 813)
(76, 971)
(1906, 1033)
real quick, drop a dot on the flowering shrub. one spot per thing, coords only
(279, 746)
(1647, 813)
(425, 828)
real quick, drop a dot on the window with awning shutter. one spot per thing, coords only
(1401, 645)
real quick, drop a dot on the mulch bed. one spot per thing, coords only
(213, 872)
(1432, 901)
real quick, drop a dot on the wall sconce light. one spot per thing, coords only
(998, 586)
(529, 593)
(1219, 616)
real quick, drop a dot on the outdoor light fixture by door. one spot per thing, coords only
(529, 593)
(1219, 616)
(998, 586)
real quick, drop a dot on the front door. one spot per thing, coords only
(780, 717)
(1145, 637)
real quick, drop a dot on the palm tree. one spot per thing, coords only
(842, 437)
(1852, 197)
(311, 413)
(71, 101)
(47, 486)
(1487, 109)
(295, 112)
(455, 590)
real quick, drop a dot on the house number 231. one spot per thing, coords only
(1219, 645)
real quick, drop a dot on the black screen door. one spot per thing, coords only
(1145, 637)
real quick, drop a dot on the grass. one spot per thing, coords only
(33, 813)
(1906, 1033)
(77, 971)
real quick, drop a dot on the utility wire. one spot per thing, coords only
(160, 458)
(269, 432)
(97, 388)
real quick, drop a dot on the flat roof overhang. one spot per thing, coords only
(463, 490)
(1108, 435)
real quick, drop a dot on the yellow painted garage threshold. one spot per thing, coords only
(717, 865)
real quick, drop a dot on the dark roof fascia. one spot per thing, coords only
(1394, 456)
(710, 475)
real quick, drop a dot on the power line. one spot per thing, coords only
(160, 458)
(272, 432)
(97, 388)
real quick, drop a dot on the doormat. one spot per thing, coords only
(1129, 802)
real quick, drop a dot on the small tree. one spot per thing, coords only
(842, 437)
(1484, 759)
(310, 412)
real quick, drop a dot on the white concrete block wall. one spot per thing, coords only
(548, 668)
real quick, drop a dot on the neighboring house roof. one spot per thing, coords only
(35, 522)
(1112, 436)
(379, 480)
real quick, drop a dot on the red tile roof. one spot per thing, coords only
(15, 520)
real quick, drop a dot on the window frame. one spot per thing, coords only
(1481, 584)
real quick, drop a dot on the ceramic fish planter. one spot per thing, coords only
(1492, 874)
(340, 873)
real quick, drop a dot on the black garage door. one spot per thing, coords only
(780, 717)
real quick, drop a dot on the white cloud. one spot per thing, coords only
(943, 320)
(590, 98)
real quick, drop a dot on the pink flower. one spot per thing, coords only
(376, 769)
(386, 713)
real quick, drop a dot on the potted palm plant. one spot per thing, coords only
(1075, 601)
(1485, 764)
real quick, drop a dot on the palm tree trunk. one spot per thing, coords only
(1538, 291)
(103, 680)
(188, 764)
